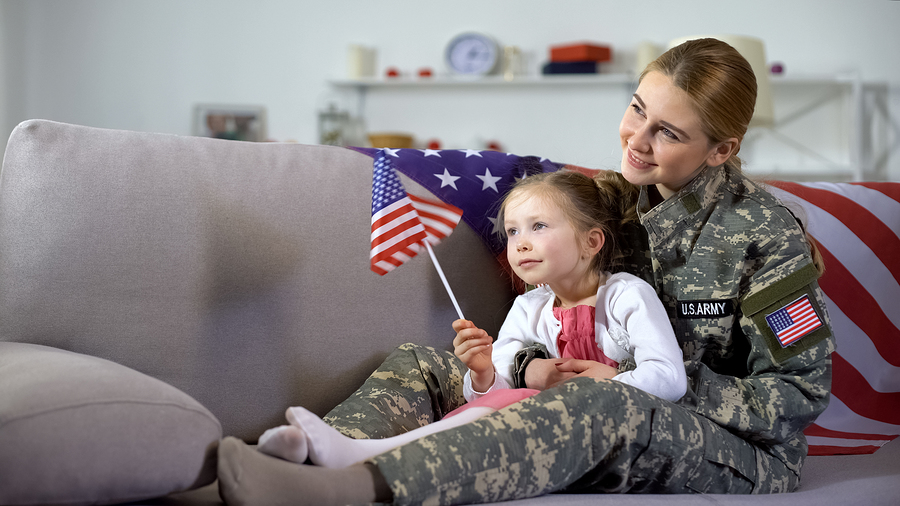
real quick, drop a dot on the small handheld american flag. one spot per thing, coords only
(403, 224)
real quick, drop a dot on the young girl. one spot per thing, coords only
(561, 231)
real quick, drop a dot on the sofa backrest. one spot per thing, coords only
(237, 272)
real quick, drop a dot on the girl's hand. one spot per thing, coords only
(587, 369)
(544, 373)
(473, 346)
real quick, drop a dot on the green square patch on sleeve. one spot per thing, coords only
(788, 316)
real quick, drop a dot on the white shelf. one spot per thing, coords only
(861, 156)
(451, 81)
(560, 80)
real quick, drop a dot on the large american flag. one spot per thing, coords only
(402, 223)
(857, 227)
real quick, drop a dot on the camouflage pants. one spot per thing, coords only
(583, 436)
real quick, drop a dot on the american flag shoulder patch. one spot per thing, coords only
(793, 321)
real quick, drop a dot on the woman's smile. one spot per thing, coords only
(636, 162)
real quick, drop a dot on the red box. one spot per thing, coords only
(580, 52)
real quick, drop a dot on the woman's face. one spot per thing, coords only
(663, 143)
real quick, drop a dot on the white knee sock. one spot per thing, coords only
(329, 448)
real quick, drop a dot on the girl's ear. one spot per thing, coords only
(595, 241)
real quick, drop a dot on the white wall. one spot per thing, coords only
(11, 70)
(144, 64)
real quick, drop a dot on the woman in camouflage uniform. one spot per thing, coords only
(737, 276)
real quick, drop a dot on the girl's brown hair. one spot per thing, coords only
(607, 201)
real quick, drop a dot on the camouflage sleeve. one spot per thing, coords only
(523, 358)
(788, 377)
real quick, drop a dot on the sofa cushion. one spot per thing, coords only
(77, 429)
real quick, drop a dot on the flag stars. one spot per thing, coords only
(447, 179)
(488, 180)
(431, 152)
(495, 225)
(392, 152)
(472, 152)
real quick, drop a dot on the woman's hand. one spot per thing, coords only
(473, 346)
(543, 373)
(586, 369)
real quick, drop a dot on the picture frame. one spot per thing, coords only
(231, 122)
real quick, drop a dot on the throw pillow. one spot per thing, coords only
(77, 429)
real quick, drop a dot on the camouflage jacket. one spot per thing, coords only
(727, 258)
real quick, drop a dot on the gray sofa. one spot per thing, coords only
(158, 292)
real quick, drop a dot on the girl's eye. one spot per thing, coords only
(538, 226)
(511, 231)
(668, 133)
(636, 108)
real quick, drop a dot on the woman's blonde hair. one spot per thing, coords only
(719, 81)
(607, 201)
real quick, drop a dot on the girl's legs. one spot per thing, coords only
(309, 436)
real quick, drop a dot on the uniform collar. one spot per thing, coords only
(661, 220)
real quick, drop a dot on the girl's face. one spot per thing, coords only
(663, 143)
(542, 245)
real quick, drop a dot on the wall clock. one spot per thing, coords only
(472, 54)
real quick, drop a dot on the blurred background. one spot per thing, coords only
(317, 72)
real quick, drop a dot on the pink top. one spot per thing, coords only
(575, 340)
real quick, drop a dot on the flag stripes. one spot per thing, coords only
(880, 375)
(845, 291)
(860, 397)
(394, 230)
(873, 232)
(857, 227)
(401, 223)
(892, 191)
(438, 218)
(817, 431)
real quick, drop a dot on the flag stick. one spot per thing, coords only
(440, 271)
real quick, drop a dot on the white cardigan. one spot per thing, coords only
(630, 322)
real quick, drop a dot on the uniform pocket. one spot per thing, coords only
(728, 466)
